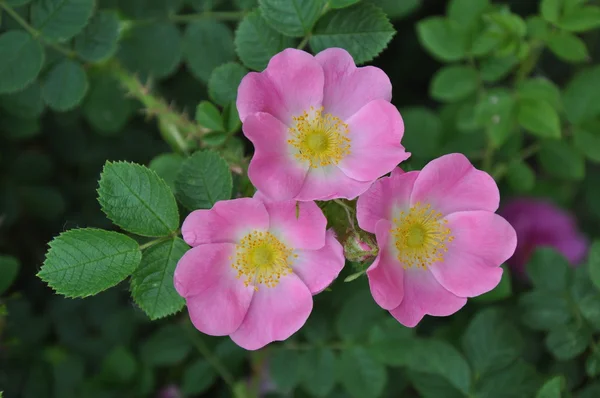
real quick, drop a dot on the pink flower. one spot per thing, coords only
(254, 267)
(439, 239)
(540, 223)
(321, 127)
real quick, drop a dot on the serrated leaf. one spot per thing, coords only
(224, 81)
(22, 58)
(568, 47)
(541, 310)
(152, 282)
(363, 30)
(293, 18)
(256, 42)
(9, 269)
(446, 40)
(432, 386)
(98, 41)
(206, 45)
(581, 99)
(151, 49)
(136, 199)
(319, 377)
(61, 19)
(518, 380)
(568, 341)
(467, 12)
(538, 117)
(561, 160)
(26, 103)
(453, 83)
(84, 262)
(581, 19)
(360, 374)
(207, 115)
(167, 167)
(341, 3)
(198, 377)
(548, 270)
(540, 89)
(65, 86)
(203, 180)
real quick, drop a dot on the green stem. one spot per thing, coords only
(208, 356)
(155, 242)
(529, 63)
(349, 212)
(304, 42)
(488, 156)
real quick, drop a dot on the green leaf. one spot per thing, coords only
(167, 346)
(136, 199)
(552, 388)
(61, 19)
(541, 310)
(363, 30)
(16, 3)
(491, 342)
(167, 167)
(581, 100)
(453, 83)
(9, 270)
(319, 376)
(432, 386)
(539, 88)
(84, 262)
(517, 381)
(152, 49)
(551, 10)
(256, 42)
(568, 341)
(16, 129)
(581, 19)
(203, 180)
(152, 282)
(119, 366)
(423, 132)
(293, 18)
(231, 120)
(198, 377)
(538, 28)
(65, 86)
(207, 115)
(467, 12)
(207, 44)
(341, 3)
(548, 270)
(26, 103)
(500, 292)
(538, 117)
(22, 59)
(224, 82)
(360, 374)
(592, 364)
(589, 305)
(286, 368)
(520, 176)
(98, 41)
(568, 47)
(106, 108)
(446, 40)
(496, 112)
(561, 160)
(594, 263)
(587, 143)
(495, 68)
(351, 327)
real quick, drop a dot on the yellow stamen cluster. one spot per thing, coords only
(262, 259)
(421, 236)
(321, 139)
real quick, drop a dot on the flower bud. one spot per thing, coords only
(358, 248)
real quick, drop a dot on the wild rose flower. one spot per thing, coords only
(439, 239)
(540, 223)
(321, 127)
(254, 267)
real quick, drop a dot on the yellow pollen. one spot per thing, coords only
(421, 235)
(321, 139)
(261, 258)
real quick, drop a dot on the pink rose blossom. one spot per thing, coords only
(321, 127)
(439, 239)
(540, 223)
(254, 267)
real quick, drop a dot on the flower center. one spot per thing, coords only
(262, 258)
(421, 236)
(321, 139)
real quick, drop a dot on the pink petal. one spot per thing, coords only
(423, 295)
(329, 182)
(375, 132)
(273, 168)
(318, 268)
(482, 242)
(386, 196)
(227, 221)
(348, 88)
(217, 301)
(275, 313)
(291, 84)
(298, 228)
(450, 183)
(386, 274)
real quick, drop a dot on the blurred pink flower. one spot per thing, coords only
(541, 223)
(439, 239)
(170, 391)
(321, 127)
(254, 267)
